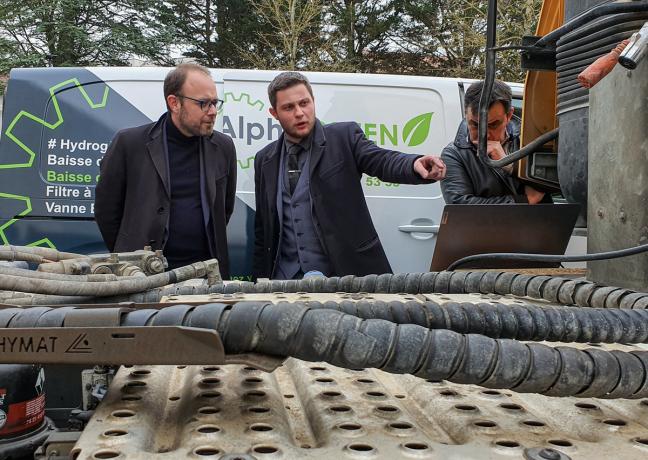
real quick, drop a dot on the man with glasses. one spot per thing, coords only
(311, 214)
(171, 184)
(470, 180)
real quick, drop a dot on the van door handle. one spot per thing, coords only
(419, 228)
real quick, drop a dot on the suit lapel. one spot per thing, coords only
(270, 172)
(317, 148)
(209, 153)
(157, 151)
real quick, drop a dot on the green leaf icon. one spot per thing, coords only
(417, 129)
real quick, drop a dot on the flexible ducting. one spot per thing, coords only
(347, 341)
(561, 290)
(553, 289)
(500, 321)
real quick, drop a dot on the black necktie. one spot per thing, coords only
(293, 166)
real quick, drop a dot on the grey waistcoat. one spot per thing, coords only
(299, 245)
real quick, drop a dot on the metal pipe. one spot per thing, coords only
(636, 49)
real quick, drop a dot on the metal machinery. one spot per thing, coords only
(146, 364)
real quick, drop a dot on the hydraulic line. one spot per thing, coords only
(46, 253)
(555, 258)
(500, 321)
(23, 299)
(11, 256)
(553, 289)
(489, 80)
(107, 288)
(350, 342)
(56, 276)
(525, 151)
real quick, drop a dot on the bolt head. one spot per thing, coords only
(549, 454)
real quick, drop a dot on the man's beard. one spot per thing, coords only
(201, 129)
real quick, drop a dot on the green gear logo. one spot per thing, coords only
(32, 155)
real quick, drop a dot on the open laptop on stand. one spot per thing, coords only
(467, 230)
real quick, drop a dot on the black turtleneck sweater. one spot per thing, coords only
(187, 242)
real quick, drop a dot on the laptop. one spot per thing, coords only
(470, 229)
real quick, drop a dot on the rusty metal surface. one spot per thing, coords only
(317, 411)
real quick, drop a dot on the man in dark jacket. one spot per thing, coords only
(469, 179)
(311, 213)
(171, 184)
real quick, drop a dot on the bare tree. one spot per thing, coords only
(447, 38)
(295, 33)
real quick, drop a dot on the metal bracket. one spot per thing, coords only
(111, 345)
(536, 58)
(59, 444)
(122, 345)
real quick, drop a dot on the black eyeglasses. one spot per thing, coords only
(205, 104)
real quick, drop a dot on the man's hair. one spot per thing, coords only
(286, 80)
(501, 93)
(176, 78)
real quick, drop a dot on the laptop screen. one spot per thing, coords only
(467, 230)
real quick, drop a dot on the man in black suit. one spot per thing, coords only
(171, 184)
(311, 213)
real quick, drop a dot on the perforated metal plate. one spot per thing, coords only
(318, 411)
(314, 410)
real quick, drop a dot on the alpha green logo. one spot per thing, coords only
(414, 132)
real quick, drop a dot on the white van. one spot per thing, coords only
(58, 123)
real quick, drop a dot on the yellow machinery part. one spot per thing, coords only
(539, 105)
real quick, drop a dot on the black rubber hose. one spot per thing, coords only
(484, 101)
(350, 342)
(489, 79)
(525, 151)
(500, 321)
(553, 289)
(347, 341)
(602, 10)
(550, 258)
